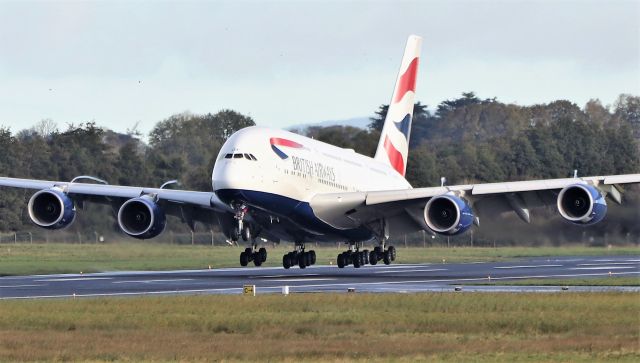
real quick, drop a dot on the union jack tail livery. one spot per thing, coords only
(393, 147)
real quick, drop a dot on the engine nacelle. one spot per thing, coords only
(448, 214)
(582, 204)
(51, 209)
(141, 218)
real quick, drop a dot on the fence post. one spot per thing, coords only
(30, 237)
(15, 237)
(211, 237)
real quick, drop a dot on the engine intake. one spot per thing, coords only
(51, 209)
(448, 214)
(141, 218)
(582, 204)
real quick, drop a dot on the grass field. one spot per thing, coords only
(476, 327)
(22, 259)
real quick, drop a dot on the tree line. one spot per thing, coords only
(465, 140)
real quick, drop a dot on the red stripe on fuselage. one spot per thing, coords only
(407, 81)
(284, 142)
(395, 157)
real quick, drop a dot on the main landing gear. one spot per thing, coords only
(299, 257)
(258, 256)
(360, 258)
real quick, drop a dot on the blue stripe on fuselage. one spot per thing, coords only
(296, 211)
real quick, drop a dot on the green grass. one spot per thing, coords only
(604, 281)
(22, 259)
(450, 327)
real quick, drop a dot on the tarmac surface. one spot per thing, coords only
(381, 278)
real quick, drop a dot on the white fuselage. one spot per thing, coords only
(297, 172)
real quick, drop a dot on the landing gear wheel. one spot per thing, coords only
(312, 253)
(244, 259)
(246, 233)
(286, 261)
(387, 258)
(356, 259)
(257, 259)
(307, 258)
(302, 263)
(262, 253)
(373, 257)
(392, 253)
(341, 260)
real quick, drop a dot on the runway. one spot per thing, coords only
(380, 278)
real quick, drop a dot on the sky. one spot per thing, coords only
(122, 63)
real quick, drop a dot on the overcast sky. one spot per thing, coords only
(286, 62)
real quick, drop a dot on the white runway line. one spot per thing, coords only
(526, 266)
(303, 280)
(149, 281)
(605, 268)
(74, 279)
(608, 264)
(272, 276)
(409, 271)
(31, 285)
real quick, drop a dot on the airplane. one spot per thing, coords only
(275, 185)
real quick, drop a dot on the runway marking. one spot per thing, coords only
(273, 276)
(74, 279)
(526, 266)
(402, 266)
(303, 279)
(149, 281)
(407, 271)
(30, 285)
(604, 268)
(609, 263)
(466, 279)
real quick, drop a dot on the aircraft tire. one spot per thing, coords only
(387, 258)
(312, 253)
(302, 263)
(373, 257)
(392, 253)
(262, 252)
(356, 259)
(341, 262)
(286, 261)
(244, 259)
(257, 259)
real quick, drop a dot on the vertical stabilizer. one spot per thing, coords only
(393, 147)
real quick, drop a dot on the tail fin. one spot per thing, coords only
(393, 147)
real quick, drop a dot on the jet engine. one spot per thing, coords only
(582, 204)
(51, 209)
(141, 218)
(448, 214)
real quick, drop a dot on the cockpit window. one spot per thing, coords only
(247, 156)
(228, 156)
(253, 157)
(237, 156)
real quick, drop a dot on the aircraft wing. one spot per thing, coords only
(201, 199)
(403, 209)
